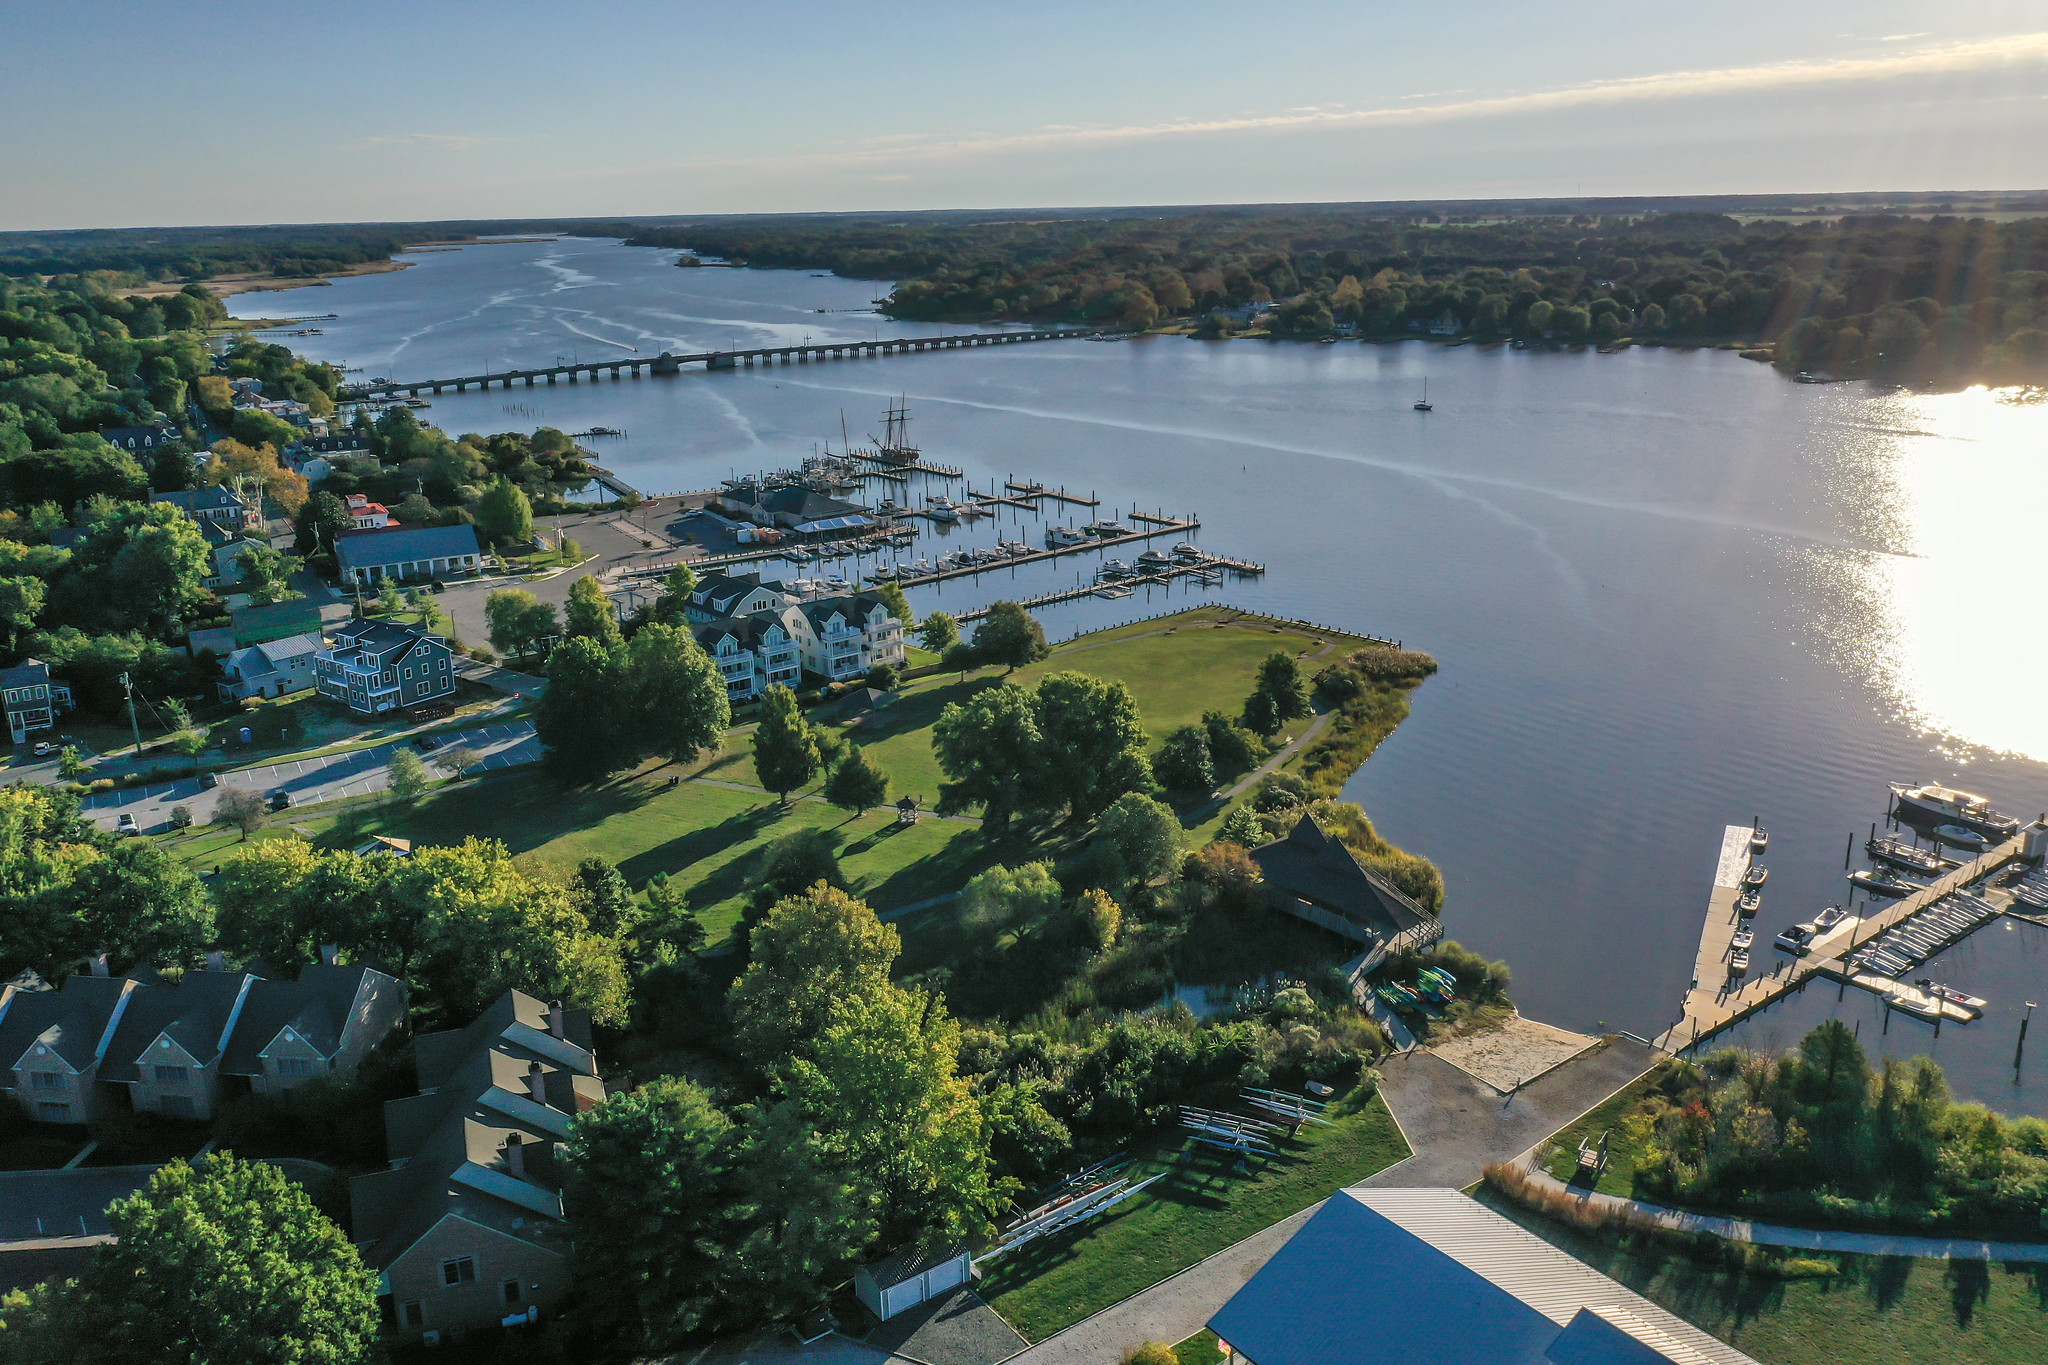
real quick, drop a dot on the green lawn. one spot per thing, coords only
(1203, 1348)
(709, 836)
(1199, 1209)
(1877, 1309)
(1619, 1178)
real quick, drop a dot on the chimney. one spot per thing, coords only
(555, 1024)
(98, 963)
(515, 1157)
(216, 960)
(536, 1083)
(330, 954)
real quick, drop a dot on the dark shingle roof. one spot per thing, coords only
(70, 1022)
(1318, 868)
(318, 1007)
(369, 549)
(194, 1013)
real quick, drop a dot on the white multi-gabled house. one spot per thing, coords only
(753, 653)
(841, 638)
(718, 597)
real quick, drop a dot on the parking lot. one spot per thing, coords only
(309, 780)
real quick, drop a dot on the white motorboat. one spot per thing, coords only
(1932, 803)
(1884, 882)
(1738, 962)
(1155, 559)
(1744, 936)
(1974, 1003)
(1960, 836)
(1059, 537)
(1797, 940)
(1187, 549)
(1115, 568)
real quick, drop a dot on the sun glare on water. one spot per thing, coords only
(1961, 619)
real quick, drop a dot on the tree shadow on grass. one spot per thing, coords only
(1969, 1286)
(700, 844)
(521, 813)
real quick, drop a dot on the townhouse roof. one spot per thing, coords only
(746, 631)
(403, 544)
(71, 1022)
(792, 500)
(318, 1008)
(195, 1014)
(502, 1081)
(719, 591)
(1318, 868)
(855, 607)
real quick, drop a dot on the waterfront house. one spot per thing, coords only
(32, 700)
(718, 596)
(753, 653)
(226, 548)
(465, 1231)
(793, 508)
(274, 668)
(1314, 876)
(406, 552)
(377, 666)
(217, 505)
(841, 638)
(1421, 1276)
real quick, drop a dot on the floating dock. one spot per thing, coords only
(1710, 1008)
(1167, 527)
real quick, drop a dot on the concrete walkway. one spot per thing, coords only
(1455, 1127)
(1804, 1239)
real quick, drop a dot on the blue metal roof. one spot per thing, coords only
(1432, 1277)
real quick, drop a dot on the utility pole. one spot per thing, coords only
(128, 689)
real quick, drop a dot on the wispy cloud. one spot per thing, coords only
(1900, 37)
(447, 142)
(2018, 50)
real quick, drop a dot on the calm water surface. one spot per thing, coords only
(1668, 590)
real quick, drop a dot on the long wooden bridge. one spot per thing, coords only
(668, 362)
(1715, 1002)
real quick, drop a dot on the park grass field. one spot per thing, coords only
(710, 831)
(1199, 1209)
(1878, 1308)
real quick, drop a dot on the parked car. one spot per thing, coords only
(44, 748)
(280, 799)
(209, 781)
(426, 744)
(126, 824)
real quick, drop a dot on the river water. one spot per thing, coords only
(1668, 590)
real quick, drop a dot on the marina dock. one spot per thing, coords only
(1167, 527)
(1711, 1007)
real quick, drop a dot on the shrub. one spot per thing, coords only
(1150, 1353)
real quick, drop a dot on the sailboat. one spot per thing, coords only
(1422, 404)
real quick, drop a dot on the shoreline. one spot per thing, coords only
(224, 286)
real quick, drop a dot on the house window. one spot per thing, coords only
(47, 1080)
(511, 1291)
(51, 1112)
(294, 1066)
(172, 1075)
(179, 1106)
(409, 1314)
(460, 1270)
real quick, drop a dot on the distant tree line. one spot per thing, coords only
(1860, 294)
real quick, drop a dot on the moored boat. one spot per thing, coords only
(1750, 901)
(1884, 882)
(1744, 936)
(1755, 877)
(1738, 962)
(1974, 1003)
(1759, 839)
(1961, 836)
(1155, 559)
(1797, 940)
(1904, 856)
(1932, 803)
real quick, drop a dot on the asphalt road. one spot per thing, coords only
(307, 779)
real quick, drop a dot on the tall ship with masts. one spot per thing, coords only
(894, 447)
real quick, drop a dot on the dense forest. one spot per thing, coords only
(1860, 294)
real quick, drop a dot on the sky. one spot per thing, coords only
(149, 114)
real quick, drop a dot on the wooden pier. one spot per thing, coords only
(1039, 490)
(1711, 1007)
(1154, 577)
(908, 467)
(1040, 556)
